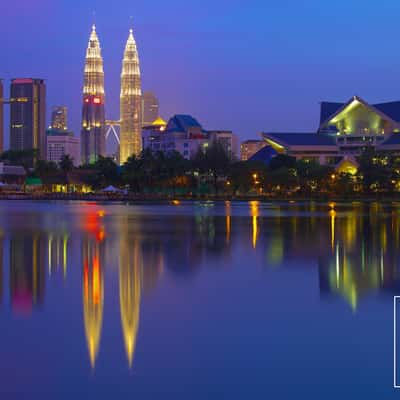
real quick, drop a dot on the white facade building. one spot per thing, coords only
(61, 145)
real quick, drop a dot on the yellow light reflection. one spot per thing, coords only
(130, 283)
(228, 221)
(93, 298)
(254, 212)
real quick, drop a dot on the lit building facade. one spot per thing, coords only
(28, 115)
(62, 143)
(250, 147)
(150, 108)
(345, 131)
(185, 135)
(130, 102)
(93, 141)
(59, 140)
(59, 118)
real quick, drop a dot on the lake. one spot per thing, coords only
(198, 300)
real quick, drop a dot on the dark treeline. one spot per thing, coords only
(213, 172)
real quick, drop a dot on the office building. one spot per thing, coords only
(150, 108)
(93, 141)
(28, 115)
(61, 143)
(59, 118)
(130, 102)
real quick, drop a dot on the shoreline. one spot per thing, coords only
(172, 199)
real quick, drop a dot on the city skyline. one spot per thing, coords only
(272, 82)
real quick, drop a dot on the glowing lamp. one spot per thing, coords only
(96, 100)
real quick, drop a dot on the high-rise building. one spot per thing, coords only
(150, 108)
(130, 102)
(1, 116)
(28, 115)
(59, 118)
(59, 140)
(93, 141)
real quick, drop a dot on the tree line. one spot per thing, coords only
(214, 172)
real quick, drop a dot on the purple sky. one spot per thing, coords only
(245, 66)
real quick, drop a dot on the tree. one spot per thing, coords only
(247, 175)
(213, 161)
(26, 158)
(45, 168)
(312, 175)
(374, 170)
(106, 172)
(66, 163)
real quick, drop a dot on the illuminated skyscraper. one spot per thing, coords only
(150, 108)
(59, 118)
(28, 115)
(93, 141)
(131, 102)
(1, 115)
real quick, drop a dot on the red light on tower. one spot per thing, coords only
(86, 100)
(96, 100)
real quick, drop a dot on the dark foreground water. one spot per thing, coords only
(198, 300)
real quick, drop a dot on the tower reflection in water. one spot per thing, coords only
(93, 282)
(27, 273)
(130, 282)
(353, 248)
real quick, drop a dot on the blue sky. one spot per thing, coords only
(247, 66)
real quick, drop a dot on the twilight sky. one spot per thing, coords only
(247, 66)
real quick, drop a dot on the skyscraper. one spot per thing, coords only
(130, 102)
(93, 141)
(150, 108)
(1, 116)
(59, 118)
(28, 115)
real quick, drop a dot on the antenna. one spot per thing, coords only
(94, 18)
(131, 24)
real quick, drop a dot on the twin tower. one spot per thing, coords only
(93, 139)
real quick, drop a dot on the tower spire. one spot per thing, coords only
(93, 114)
(130, 101)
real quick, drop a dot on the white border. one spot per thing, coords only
(395, 385)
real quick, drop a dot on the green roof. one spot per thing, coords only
(33, 181)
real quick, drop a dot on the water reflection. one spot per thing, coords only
(27, 271)
(93, 294)
(353, 249)
(130, 282)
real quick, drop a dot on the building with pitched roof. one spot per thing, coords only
(184, 134)
(345, 131)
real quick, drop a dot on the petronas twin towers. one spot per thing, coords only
(93, 113)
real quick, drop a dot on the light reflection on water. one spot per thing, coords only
(122, 259)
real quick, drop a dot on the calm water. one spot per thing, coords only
(198, 300)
